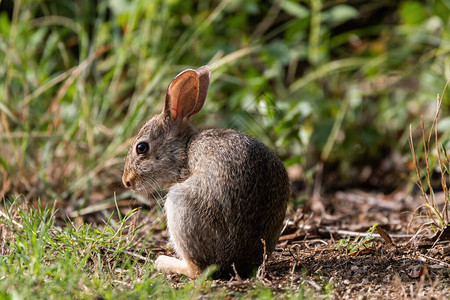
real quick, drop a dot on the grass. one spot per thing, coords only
(70, 100)
(438, 159)
(301, 78)
(80, 261)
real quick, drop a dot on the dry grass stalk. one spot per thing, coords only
(439, 218)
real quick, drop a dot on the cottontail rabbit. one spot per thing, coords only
(229, 191)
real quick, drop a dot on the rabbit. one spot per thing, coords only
(228, 192)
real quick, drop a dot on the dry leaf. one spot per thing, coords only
(417, 271)
(384, 235)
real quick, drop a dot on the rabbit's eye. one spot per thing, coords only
(142, 148)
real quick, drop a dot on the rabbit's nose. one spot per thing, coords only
(127, 178)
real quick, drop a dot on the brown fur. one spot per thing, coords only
(229, 191)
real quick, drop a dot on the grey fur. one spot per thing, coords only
(228, 192)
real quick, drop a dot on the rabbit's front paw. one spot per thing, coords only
(172, 265)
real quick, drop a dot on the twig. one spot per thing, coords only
(363, 234)
(136, 255)
(236, 275)
(439, 262)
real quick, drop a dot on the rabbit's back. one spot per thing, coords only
(236, 196)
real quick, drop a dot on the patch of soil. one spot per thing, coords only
(379, 272)
(407, 261)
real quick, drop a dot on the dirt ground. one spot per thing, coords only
(408, 263)
(406, 266)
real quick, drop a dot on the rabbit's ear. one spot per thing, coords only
(182, 95)
(187, 93)
(204, 73)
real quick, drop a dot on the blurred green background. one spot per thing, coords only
(333, 83)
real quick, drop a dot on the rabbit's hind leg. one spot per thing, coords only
(176, 266)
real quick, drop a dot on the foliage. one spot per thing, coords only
(358, 244)
(315, 80)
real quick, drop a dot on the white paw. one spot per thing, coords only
(175, 266)
(166, 264)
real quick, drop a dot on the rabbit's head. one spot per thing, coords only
(158, 154)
